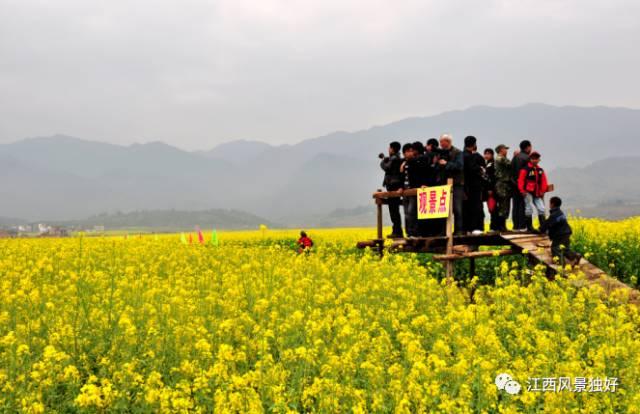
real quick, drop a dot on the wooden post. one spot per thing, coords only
(379, 218)
(472, 267)
(450, 232)
(379, 235)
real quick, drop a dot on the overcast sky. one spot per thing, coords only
(196, 73)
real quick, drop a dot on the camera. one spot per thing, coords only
(442, 154)
(381, 156)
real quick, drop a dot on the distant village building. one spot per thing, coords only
(58, 232)
(52, 231)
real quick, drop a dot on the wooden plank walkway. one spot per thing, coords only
(539, 248)
(536, 246)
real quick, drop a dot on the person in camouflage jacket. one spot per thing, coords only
(503, 186)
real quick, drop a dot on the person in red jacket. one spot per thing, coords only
(532, 183)
(304, 242)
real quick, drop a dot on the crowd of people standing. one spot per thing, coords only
(490, 178)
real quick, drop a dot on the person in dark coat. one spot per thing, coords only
(434, 177)
(393, 181)
(559, 231)
(520, 161)
(432, 150)
(488, 195)
(432, 146)
(422, 167)
(409, 169)
(474, 173)
(423, 175)
(450, 164)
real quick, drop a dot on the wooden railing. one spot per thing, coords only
(381, 196)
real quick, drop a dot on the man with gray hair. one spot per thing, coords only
(450, 163)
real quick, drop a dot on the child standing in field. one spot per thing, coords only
(559, 232)
(532, 184)
(304, 242)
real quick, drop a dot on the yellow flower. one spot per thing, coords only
(151, 325)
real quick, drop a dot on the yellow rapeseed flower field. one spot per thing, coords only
(149, 324)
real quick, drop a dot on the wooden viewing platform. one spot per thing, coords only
(451, 248)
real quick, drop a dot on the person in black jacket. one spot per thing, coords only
(431, 175)
(490, 187)
(474, 173)
(411, 172)
(520, 161)
(423, 175)
(422, 169)
(432, 146)
(559, 232)
(393, 181)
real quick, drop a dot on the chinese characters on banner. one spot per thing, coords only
(433, 202)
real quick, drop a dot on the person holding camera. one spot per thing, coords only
(393, 181)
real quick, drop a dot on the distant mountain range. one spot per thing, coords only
(590, 154)
(172, 220)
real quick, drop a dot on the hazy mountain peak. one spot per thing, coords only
(59, 139)
(238, 150)
(155, 146)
